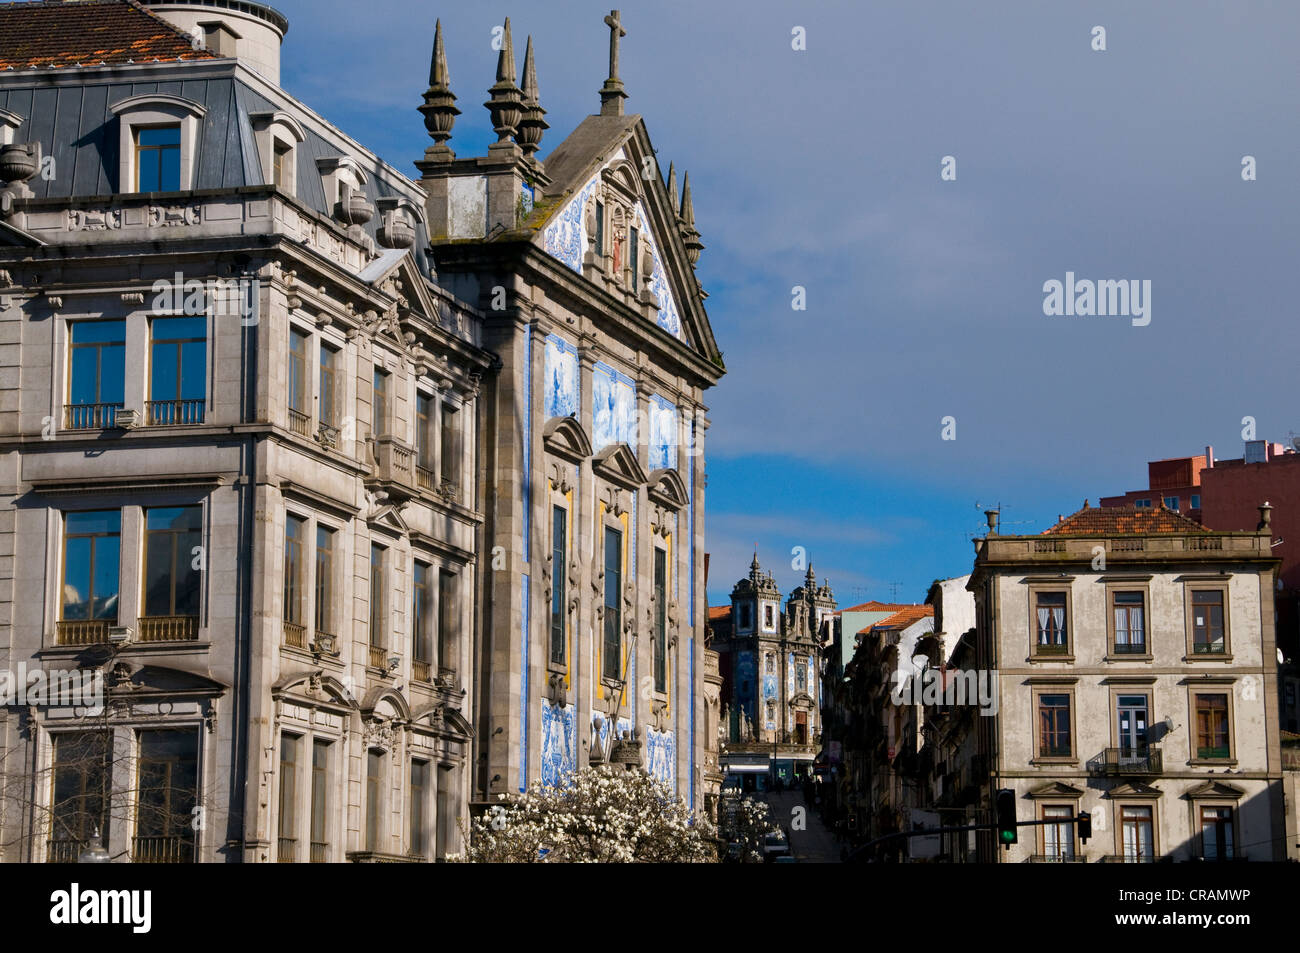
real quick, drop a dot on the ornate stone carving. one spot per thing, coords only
(161, 216)
(94, 220)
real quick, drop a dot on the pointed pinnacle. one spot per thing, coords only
(506, 60)
(672, 190)
(438, 66)
(530, 74)
(688, 207)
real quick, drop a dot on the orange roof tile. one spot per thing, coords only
(874, 606)
(719, 612)
(1115, 520)
(58, 33)
(905, 616)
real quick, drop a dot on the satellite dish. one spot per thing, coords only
(1281, 659)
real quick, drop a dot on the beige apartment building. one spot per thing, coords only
(1138, 683)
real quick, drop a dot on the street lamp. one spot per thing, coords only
(93, 855)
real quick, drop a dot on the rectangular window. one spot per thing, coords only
(329, 386)
(280, 156)
(299, 383)
(661, 620)
(800, 676)
(1138, 834)
(424, 440)
(288, 822)
(448, 650)
(450, 445)
(1131, 713)
(378, 557)
(295, 534)
(1142, 504)
(325, 580)
(1054, 726)
(1216, 833)
(768, 618)
(1207, 622)
(633, 259)
(1049, 617)
(613, 634)
(167, 795)
(1129, 609)
(92, 542)
(1058, 838)
(374, 789)
(158, 159)
(172, 562)
(421, 618)
(1171, 502)
(559, 560)
(379, 426)
(600, 228)
(1196, 501)
(419, 802)
(178, 368)
(1212, 727)
(78, 805)
(320, 759)
(96, 374)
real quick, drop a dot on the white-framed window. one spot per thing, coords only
(277, 135)
(157, 142)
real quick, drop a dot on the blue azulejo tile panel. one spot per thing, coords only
(562, 383)
(661, 756)
(565, 237)
(613, 408)
(663, 433)
(559, 742)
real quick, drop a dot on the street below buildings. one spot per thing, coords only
(814, 844)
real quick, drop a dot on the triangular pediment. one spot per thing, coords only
(566, 438)
(617, 464)
(1215, 789)
(1133, 789)
(667, 488)
(1056, 789)
(388, 517)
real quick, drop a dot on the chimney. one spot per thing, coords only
(1209, 458)
(246, 31)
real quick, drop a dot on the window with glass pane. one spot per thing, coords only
(424, 434)
(158, 159)
(96, 373)
(325, 540)
(1058, 838)
(374, 789)
(178, 370)
(559, 560)
(448, 650)
(633, 258)
(1049, 611)
(299, 378)
(329, 386)
(168, 793)
(1216, 833)
(379, 427)
(613, 635)
(450, 445)
(1207, 622)
(800, 676)
(91, 553)
(1054, 726)
(661, 620)
(1212, 726)
(1130, 623)
(295, 534)
(419, 802)
(288, 818)
(1172, 502)
(1131, 717)
(281, 155)
(172, 537)
(600, 228)
(1138, 834)
(79, 805)
(320, 759)
(378, 555)
(421, 613)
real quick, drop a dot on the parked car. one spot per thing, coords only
(775, 844)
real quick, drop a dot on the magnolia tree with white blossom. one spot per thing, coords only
(601, 814)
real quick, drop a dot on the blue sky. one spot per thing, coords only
(821, 168)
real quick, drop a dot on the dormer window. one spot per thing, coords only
(158, 143)
(277, 135)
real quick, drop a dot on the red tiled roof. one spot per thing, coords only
(874, 606)
(719, 612)
(905, 616)
(1113, 520)
(59, 33)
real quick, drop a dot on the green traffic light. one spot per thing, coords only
(1008, 837)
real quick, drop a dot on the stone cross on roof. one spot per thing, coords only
(611, 94)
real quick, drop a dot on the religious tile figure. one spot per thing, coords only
(591, 595)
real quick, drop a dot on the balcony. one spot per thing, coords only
(63, 850)
(379, 857)
(1056, 859)
(1126, 762)
(424, 479)
(319, 852)
(295, 635)
(378, 657)
(394, 461)
(162, 849)
(327, 435)
(169, 628)
(83, 631)
(287, 851)
(173, 413)
(299, 423)
(1137, 859)
(421, 671)
(89, 416)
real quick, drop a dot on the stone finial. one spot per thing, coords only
(1265, 517)
(612, 94)
(507, 102)
(439, 107)
(690, 234)
(532, 125)
(991, 517)
(672, 190)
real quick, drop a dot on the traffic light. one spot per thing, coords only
(1085, 826)
(1006, 817)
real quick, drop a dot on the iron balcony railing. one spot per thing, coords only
(1126, 761)
(63, 850)
(162, 849)
(1136, 859)
(319, 852)
(90, 416)
(1057, 859)
(172, 413)
(288, 850)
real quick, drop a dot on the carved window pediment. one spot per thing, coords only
(565, 437)
(668, 489)
(618, 464)
(1215, 789)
